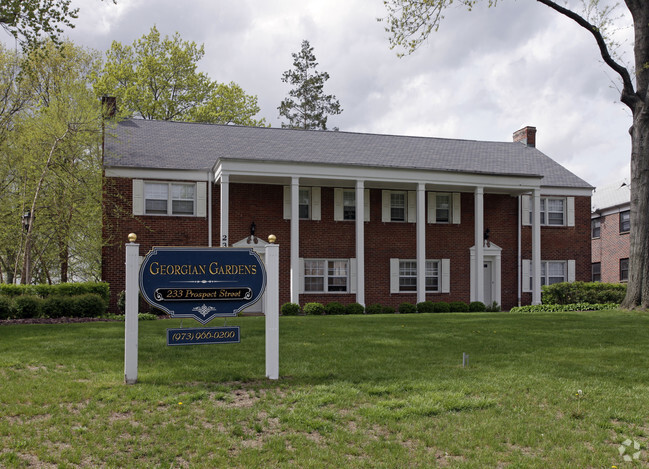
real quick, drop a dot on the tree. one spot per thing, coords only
(410, 23)
(157, 78)
(307, 106)
(29, 20)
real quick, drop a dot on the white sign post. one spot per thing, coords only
(131, 323)
(271, 309)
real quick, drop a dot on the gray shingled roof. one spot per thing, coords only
(174, 145)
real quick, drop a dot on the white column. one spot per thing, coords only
(536, 247)
(360, 242)
(479, 243)
(271, 310)
(225, 210)
(295, 240)
(421, 242)
(130, 323)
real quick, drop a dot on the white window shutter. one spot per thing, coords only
(301, 273)
(446, 275)
(138, 197)
(570, 211)
(412, 206)
(201, 199)
(432, 207)
(394, 275)
(571, 270)
(316, 203)
(287, 202)
(526, 274)
(457, 208)
(353, 275)
(338, 204)
(525, 209)
(385, 212)
(366, 201)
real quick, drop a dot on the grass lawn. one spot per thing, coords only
(355, 391)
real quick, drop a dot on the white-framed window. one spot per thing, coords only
(326, 275)
(345, 204)
(554, 211)
(403, 275)
(169, 198)
(308, 203)
(349, 204)
(552, 272)
(399, 206)
(444, 207)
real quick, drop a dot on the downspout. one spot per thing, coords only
(209, 208)
(519, 261)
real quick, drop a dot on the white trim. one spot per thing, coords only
(385, 206)
(394, 275)
(444, 275)
(316, 204)
(366, 204)
(339, 210)
(201, 199)
(138, 197)
(411, 207)
(353, 276)
(287, 202)
(457, 208)
(166, 174)
(570, 211)
(526, 275)
(493, 254)
(571, 270)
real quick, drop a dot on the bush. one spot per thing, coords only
(355, 308)
(563, 308)
(121, 302)
(58, 307)
(62, 289)
(458, 307)
(441, 307)
(89, 305)
(407, 308)
(493, 308)
(314, 308)
(374, 309)
(426, 307)
(477, 307)
(27, 306)
(583, 292)
(335, 308)
(6, 308)
(388, 310)
(290, 309)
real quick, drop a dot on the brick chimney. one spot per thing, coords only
(527, 136)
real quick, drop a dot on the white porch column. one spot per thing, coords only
(271, 310)
(295, 240)
(360, 242)
(536, 247)
(421, 242)
(225, 210)
(479, 244)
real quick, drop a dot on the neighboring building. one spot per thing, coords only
(610, 224)
(440, 219)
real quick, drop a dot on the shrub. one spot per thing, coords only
(335, 308)
(477, 307)
(388, 310)
(121, 302)
(89, 305)
(583, 292)
(6, 308)
(27, 306)
(493, 308)
(62, 289)
(314, 308)
(407, 308)
(355, 308)
(458, 307)
(374, 309)
(552, 308)
(426, 307)
(441, 307)
(290, 309)
(58, 307)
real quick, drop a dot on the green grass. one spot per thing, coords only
(355, 391)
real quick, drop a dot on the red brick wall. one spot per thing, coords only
(610, 247)
(327, 238)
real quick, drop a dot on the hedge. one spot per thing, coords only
(583, 292)
(290, 309)
(563, 308)
(314, 308)
(335, 308)
(61, 289)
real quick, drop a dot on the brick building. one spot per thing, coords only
(610, 224)
(359, 217)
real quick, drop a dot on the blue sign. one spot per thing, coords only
(203, 335)
(202, 283)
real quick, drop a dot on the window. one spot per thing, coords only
(625, 221)
(308, 203)
(397, 206)
(349, 204)
(596, 272)
(554, 211)
(304, 199)
(595, 227)
(624, 270)
(161, 198)
(551, 272)
(322, 275)
(443, 208)
(408, 276)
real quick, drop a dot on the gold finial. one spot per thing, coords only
(272, 238)
(132, 237)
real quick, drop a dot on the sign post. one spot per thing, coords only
(131, 324)
(271, 309)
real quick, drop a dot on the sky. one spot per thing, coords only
(482, 76)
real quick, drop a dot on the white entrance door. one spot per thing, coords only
(488, 283)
